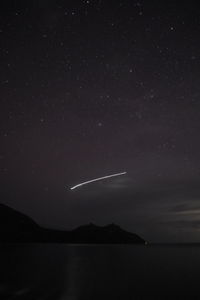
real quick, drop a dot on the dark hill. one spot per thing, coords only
(110, 234)
(17, 227)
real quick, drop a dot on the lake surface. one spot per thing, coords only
(95, 272)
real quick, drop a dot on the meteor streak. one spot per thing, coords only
(97, 179)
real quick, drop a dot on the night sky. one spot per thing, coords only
(96, 87)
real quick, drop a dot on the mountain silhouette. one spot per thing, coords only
(17, 227)
(111, 233)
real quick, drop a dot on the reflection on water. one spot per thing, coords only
(63, 272)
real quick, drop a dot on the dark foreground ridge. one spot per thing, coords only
(17, 227)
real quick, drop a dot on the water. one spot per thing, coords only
(99, 272)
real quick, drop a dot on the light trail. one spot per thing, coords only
(97, 179)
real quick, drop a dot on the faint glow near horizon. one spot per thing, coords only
(97, 179)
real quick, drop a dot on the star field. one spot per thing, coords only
(90, 88)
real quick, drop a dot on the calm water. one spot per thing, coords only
(99, 272)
